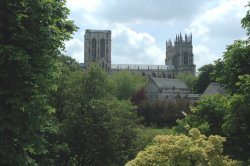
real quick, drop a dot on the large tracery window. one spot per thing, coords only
(102, 48)
(94, 49)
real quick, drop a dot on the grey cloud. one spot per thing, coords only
(152, 10)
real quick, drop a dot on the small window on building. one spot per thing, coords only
(94, 49)
(102, 48)
(178, 97)
(164, 75)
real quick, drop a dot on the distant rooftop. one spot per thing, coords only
(214, 88)
(141, 67)
(98, 31)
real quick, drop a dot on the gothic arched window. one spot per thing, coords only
(102, 48)
(185, 59)
(94, 49)
(164, 75)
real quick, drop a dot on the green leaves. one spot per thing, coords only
(189, 79)
(234, 64)
(98, 128)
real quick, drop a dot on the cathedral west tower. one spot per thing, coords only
(97, 48)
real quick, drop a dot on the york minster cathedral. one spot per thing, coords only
(179, 56)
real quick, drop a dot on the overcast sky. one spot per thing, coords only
(140, 28)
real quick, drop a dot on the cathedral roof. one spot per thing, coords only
(166, 83)
(141, 67)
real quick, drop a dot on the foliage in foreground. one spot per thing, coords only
(31, 37)
(195, 149)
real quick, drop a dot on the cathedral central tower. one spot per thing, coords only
(180, 54)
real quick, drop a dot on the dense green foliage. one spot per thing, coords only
(235, 63)
(32, 33)
(162, 113)
(207, 116)
(236, 126)
(99, 128)
(195, 149)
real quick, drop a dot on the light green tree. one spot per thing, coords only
(127, 83)
(195, 149)
(189, 79)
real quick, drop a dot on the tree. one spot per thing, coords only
(207, 115)
(246, 21)
(234, 64)
(31, 37)
(195, 149)
(204, 78)
(66, 74)
(127, 83)
(236, 126)
(99, 128)
(189, 79)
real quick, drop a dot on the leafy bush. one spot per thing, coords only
(207, 116)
